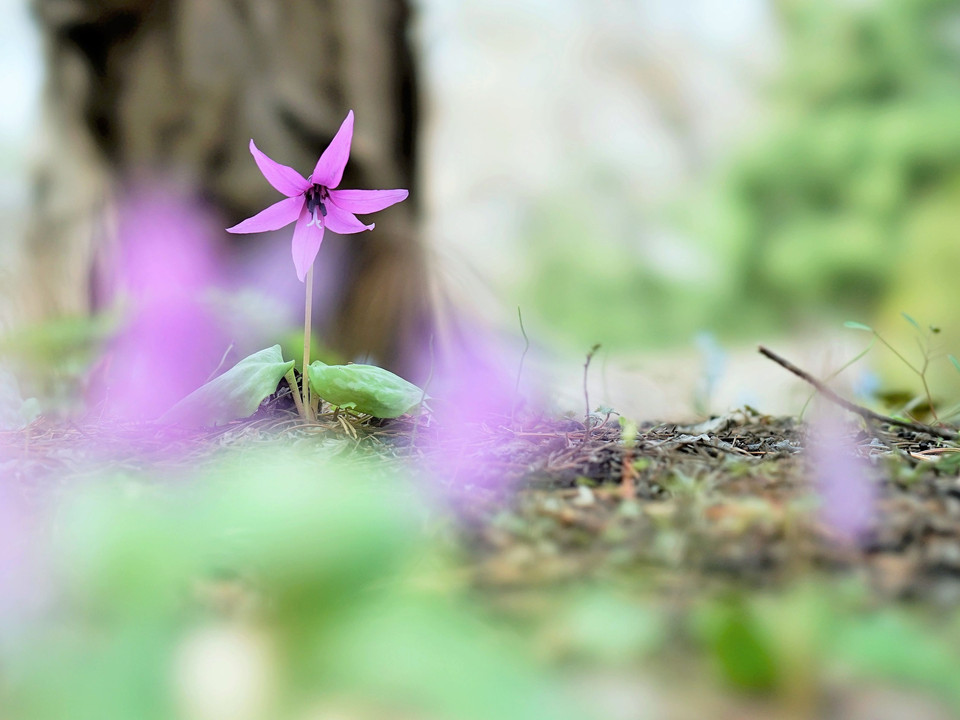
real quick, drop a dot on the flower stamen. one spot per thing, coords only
(315, 198)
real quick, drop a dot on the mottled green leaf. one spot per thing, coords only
(235, 394)
(365, 388)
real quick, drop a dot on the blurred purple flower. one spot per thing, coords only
(842, 478)
(472, 393)
(170, 342)
(314, 203)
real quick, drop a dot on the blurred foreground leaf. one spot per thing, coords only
(892, 647)
(315, 531)
(741, 646)
(308, 558)
(51, 342)
(438, 659)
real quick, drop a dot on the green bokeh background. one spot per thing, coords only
(842, 205)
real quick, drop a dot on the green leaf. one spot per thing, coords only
(743, 649)
(852, 324)
(911, 320)
(365, 388)
(956, 363)
(893, 647)
(235, 394)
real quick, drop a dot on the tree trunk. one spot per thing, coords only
(179, 87)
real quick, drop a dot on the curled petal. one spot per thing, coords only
(307, 236)
(342, 222)
(278, 215)
(367, 201)
(283, 178)
(329, 169)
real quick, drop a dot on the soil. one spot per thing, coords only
(731, 499)
(545, 500)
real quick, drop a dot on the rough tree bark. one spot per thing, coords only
(180, 86)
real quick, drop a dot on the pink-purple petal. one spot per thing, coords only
(367, 201)
(278, 215)
(283, 178)
(329, 169)
(342, 222)
(306, 243)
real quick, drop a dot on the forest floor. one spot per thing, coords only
(695, 529)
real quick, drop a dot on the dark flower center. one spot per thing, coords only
(315, 199)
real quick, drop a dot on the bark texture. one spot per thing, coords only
(179, 87)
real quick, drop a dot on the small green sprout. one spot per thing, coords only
(924, 342)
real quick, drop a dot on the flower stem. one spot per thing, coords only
(295, 392)
(305, 373)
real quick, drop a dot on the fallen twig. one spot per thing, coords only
(865, 413)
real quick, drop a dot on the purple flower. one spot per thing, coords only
(170, 341)
(847, 493)
(315, 203)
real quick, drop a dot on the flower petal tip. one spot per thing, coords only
(329, 168)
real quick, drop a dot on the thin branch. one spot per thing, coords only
(865, 413)
(837, 372)
(892, 349)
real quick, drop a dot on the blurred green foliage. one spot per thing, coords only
(281, 579)
(862, 132)
(583, 287)
(277, 583)
(784, 644)
(52, 360)
(844, 203)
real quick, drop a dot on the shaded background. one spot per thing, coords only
(673, 180)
